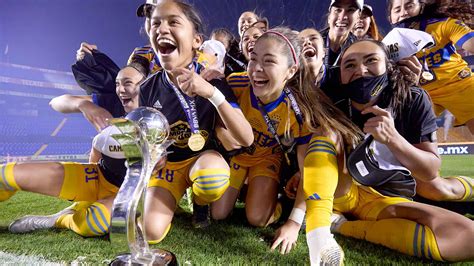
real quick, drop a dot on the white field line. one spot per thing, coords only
(14, 259)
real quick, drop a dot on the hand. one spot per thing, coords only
(192, 84)
(292, 185)
(210, 74)
(286, 235)
(411, 69)
(96, 115)
(85, 48)
(382, 126)
(226, 139)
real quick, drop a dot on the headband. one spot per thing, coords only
(292, 48)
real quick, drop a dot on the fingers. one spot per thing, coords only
(276, 243)
(88, 48)
(376, 111)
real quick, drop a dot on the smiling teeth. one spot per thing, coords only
(166, 41)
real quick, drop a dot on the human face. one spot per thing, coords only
(245, 20)
(361, 27)
(342, 17)
(172, 36)
(223, 39)
(362, 59)
(127, 87)
(403, 9)
(268, 69)
(248, 41)
(313, 48)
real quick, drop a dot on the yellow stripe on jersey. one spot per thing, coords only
(444, 62)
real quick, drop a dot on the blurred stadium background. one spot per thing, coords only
(38, 40)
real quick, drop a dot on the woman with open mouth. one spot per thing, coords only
(193, 108)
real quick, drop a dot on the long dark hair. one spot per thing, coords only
(441, 9)
(398, 93)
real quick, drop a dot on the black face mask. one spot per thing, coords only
(364, 89)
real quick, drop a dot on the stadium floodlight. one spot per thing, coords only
(144, 141)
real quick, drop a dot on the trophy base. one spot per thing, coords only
(159, 257)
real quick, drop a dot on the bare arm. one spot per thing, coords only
(421, 159)
(96, 115)
(469, 46)
(233, 119)
(95, 156)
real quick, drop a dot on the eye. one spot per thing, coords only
(155, 23)
(174, 22)
(396, 10)
(245, 39)
(352, 10)
(349, 66)
(372, 60)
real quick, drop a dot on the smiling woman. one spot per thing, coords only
(193, 108)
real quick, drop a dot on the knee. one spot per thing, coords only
(155, 234)
(256, 218)
(219, 214)
(210, 184)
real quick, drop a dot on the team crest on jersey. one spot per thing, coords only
(464, 73)
(180, 133)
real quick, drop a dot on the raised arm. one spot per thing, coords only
(96, 115)
(232, 118)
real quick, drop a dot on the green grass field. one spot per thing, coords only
(223, 243)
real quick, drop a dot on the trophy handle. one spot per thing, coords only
(126, 234)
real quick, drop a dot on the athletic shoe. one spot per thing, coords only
(332, 254)
(323, 248)
(201, 217)
(337, 219)
(32, 223)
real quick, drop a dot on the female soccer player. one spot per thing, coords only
(193, 107)
(273, 101)
(447, 77)
(343, 14)
(409, 227)
(92, 186)
(366, 27)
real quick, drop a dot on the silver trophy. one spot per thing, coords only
(144, 142)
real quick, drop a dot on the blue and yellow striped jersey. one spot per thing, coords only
(147, 53)
(280, 112)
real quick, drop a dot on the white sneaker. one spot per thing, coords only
(332, 254)
(337, 219)
(32, 223)
(323, 248)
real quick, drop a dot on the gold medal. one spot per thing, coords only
(427, 76)
(196, 142)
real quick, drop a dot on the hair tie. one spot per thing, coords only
(292, 48)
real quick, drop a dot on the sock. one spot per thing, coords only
(209, 184)
(89, 219)
(8, 185)
(320, 182)
(403, 235)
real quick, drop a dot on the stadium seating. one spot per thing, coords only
(28, 125)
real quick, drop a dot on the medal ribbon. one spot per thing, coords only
(189, 106)
(271, 127)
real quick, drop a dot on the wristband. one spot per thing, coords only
(217, 98)
(297, 215)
